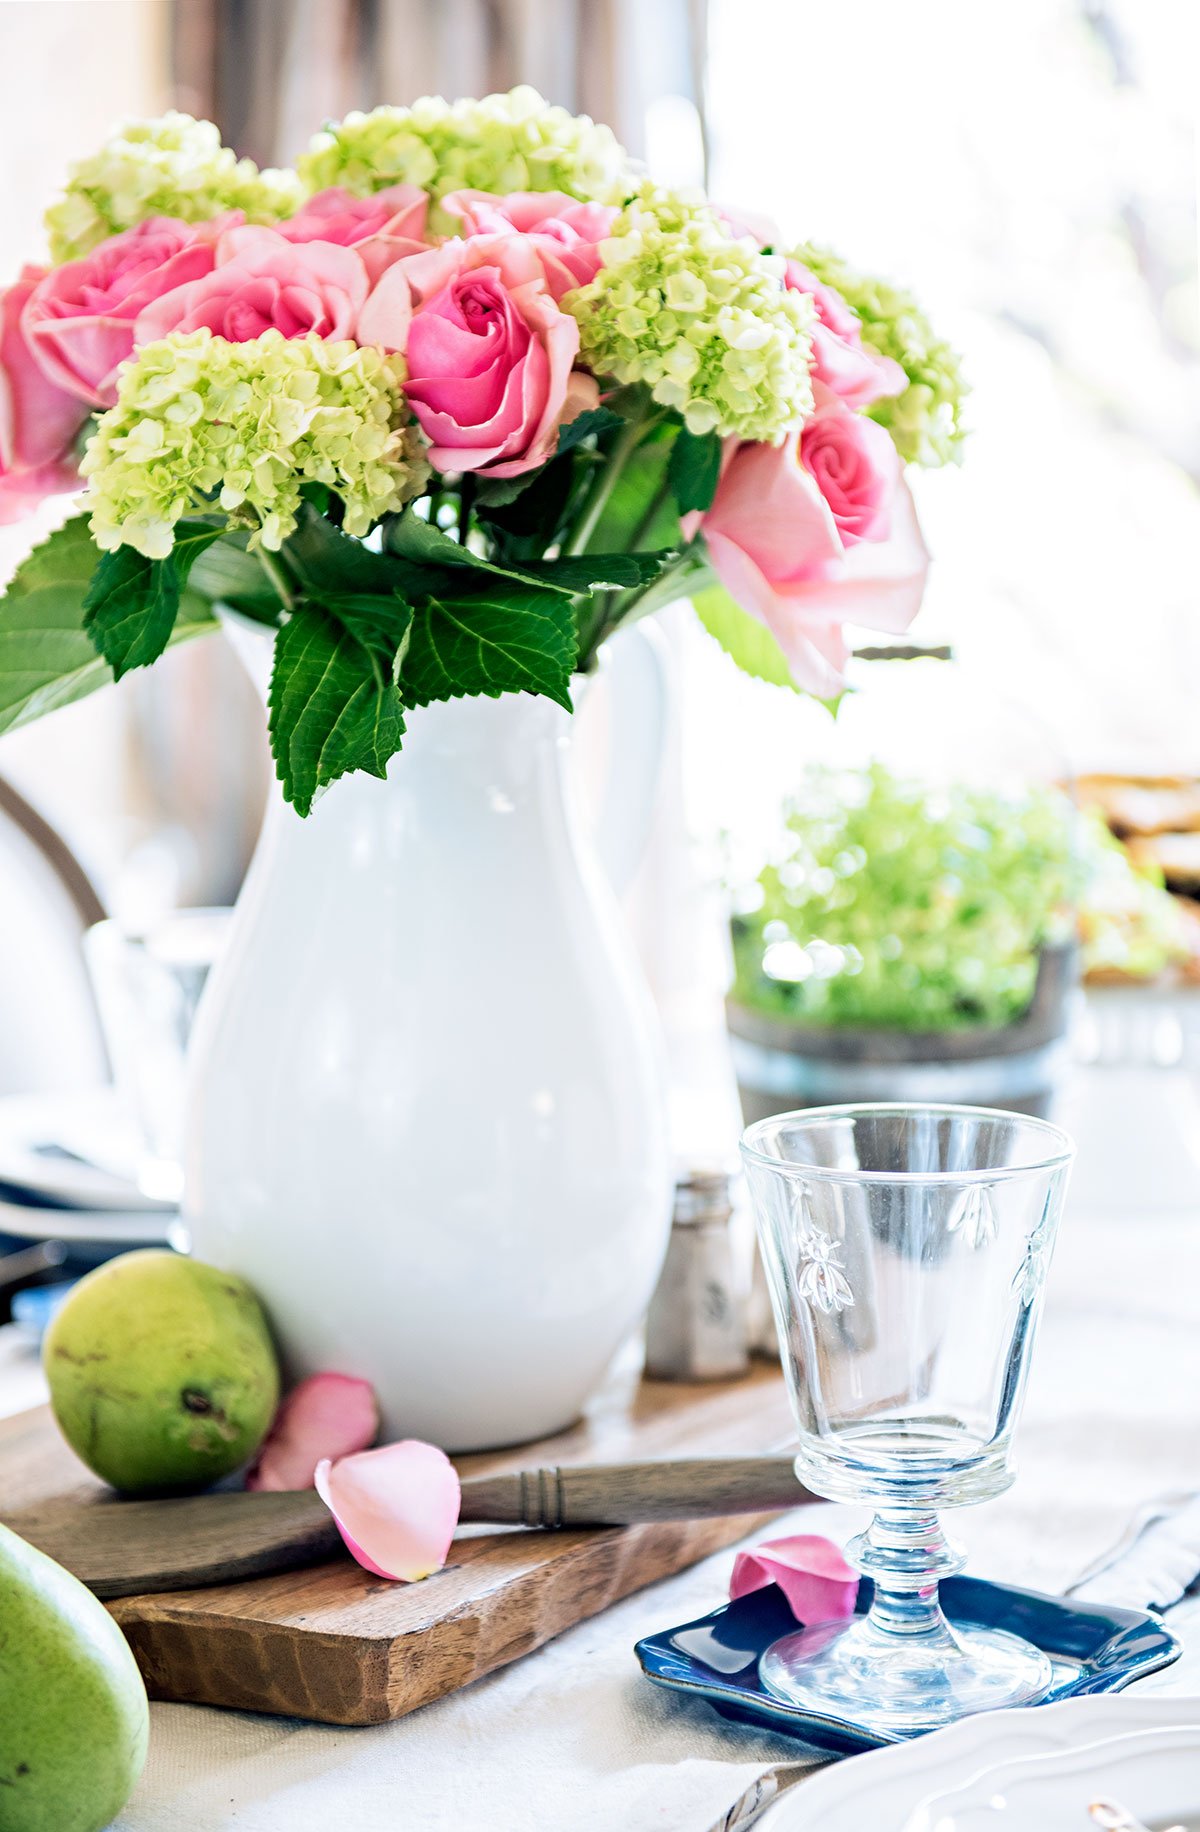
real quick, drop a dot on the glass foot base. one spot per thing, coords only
(900, 1684)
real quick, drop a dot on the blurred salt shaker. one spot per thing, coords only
(761, 1335)
(694, 1330)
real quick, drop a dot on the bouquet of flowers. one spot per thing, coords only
(444, 407)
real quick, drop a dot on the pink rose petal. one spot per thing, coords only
(811, 1572)
(326, 1416)
(396, 1507)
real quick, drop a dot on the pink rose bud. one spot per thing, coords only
(811, 1572)
(841, 361)
(39, 420)
(396, 1507)
(80, 318)
(263, 282)
(326, 1417)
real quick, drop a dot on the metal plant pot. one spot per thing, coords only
(781, 1066)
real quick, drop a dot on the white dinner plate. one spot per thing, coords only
(906, 1787)
(89, 1227)
(77, 1148)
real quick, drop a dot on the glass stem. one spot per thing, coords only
(905, 1554)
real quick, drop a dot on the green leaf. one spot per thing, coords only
(381, 624)
(328, 563)
(592, 420)
(498, 492)
(537, 515)
(47, 659)
(498, 636)
(418, 542)
(129, 609)
(446, 560)
(227, 573)
(586, 571)
(749, 642)
(332, 706)
(410, 537)
(694, 468)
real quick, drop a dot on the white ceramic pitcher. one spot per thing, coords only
(425, 1112)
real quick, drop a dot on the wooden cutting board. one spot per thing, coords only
(336, 1644)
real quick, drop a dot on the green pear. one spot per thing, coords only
(162, 1373)
(73, 1715)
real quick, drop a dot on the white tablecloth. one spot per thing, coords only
(572, 1739)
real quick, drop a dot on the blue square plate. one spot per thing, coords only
(1093, 1649)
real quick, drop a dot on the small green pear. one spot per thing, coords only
(73, 1715)
(162, 1373)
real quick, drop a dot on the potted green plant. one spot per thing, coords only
(907, 942)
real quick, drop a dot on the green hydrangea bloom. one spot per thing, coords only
(926, 421)
(698, 316)
(172, 166)
(201, 422)
(513, 142)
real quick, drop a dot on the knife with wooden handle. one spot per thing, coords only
(129, 1548)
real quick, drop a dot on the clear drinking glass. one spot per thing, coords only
(906, 1249)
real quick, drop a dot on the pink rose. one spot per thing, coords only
(841, 360)
(776, 546)
(566, 233)
(80, 317)
(855, 465)
(489, 352)
(381, 228)
(261, 281)
(38, 419)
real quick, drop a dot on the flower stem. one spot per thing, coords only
(277, 573)
(671, 583)
(597, 497)
(647, 522)
(466, 497)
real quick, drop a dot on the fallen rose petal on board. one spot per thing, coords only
(395, 1507)
(326, 1417)
(811, 1572)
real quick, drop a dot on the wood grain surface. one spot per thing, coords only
(228, 1536)
(336, 1644)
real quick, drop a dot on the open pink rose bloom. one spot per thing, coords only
(39, 418)
(261, 281)
(490, 354)
(80, 318)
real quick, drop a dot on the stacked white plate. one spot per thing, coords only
(1017, 1771)
(69, 1171)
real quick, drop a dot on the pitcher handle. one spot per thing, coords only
(639, 685)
